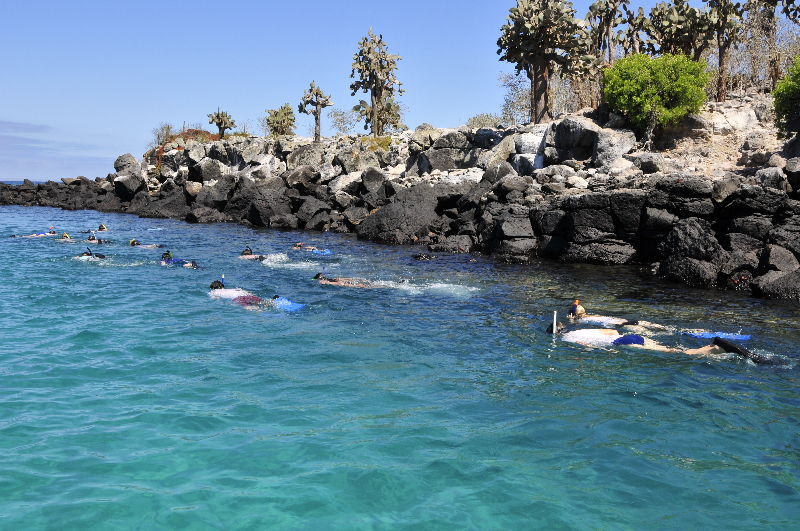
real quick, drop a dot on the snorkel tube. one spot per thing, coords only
(222, 279)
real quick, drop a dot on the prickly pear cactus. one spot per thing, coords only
(374, 73)
(280, 121)
(314, 100)
(222, 120)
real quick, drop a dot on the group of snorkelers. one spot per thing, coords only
(167, 259)
(348, 282)
(632, 333)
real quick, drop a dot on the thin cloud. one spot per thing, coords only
(23, 128)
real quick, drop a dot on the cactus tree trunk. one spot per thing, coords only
(609, 43)
(724, 57)
(317, 114)
(221, 132)
(539, 75)
(771, 30)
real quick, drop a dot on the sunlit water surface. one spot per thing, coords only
(131, 399)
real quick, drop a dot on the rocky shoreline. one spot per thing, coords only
(571, 190)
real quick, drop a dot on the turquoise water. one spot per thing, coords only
(131, 399)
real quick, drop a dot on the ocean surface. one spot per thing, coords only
(131, 399)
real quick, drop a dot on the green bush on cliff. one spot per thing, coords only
(787, 100)
(655, 91)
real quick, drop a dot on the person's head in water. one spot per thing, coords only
(134, 243)
(65, 236)
(217, 284)
(51, 231)
(247, 251)
(298, 245)
(167, 255)
(101, 227)
(92, 238)
(86, 253)
(576, 310)
(320, 276)
(559, 328)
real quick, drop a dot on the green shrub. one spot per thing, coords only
(662, 89)
(483, 120)
(376, 143)
(787, 100)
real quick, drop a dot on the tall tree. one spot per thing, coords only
(725, 19)
(374, 72)
(603, 17)
(540, 36)
(314, 100)
(766, 11)
(678, 28)
(222, 120)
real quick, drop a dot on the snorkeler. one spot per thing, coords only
(167, 260)
(51, 232)
(578, 313)
(345, 282)
(300, 246)
(102, 228)
(248, 300)
(94, 239)
(247, 254)
(89, 255)
(137, 243)
(599, 337)
(64, 237)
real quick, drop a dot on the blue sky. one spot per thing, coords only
(86, 81)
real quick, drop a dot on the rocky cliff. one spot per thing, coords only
(719, 208)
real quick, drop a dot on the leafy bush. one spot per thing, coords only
(655, 91)
(787, 100)
(281, 121)
(483, 120)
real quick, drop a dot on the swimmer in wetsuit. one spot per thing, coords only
(95, 239)
(594, 337)
(344, 282)
(50, 232)
(247, 254)
(248, 300)
(89, 254)
(167, 259)
(137, 243)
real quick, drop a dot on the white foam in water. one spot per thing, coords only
(454, 290)
(282, 260)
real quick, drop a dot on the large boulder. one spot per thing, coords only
(207, 169)
(792, 170)
(693, 238)
(355, 160)
(784, 287)
(308, 155)
(303, 179)
(627, 207)
(203, 214)
(127, 164)
(310, 207)
(216, 195)
(609, 252)
(773, 178)
(407, 219)
(126, 186)
(577, 136)
(611, 144)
